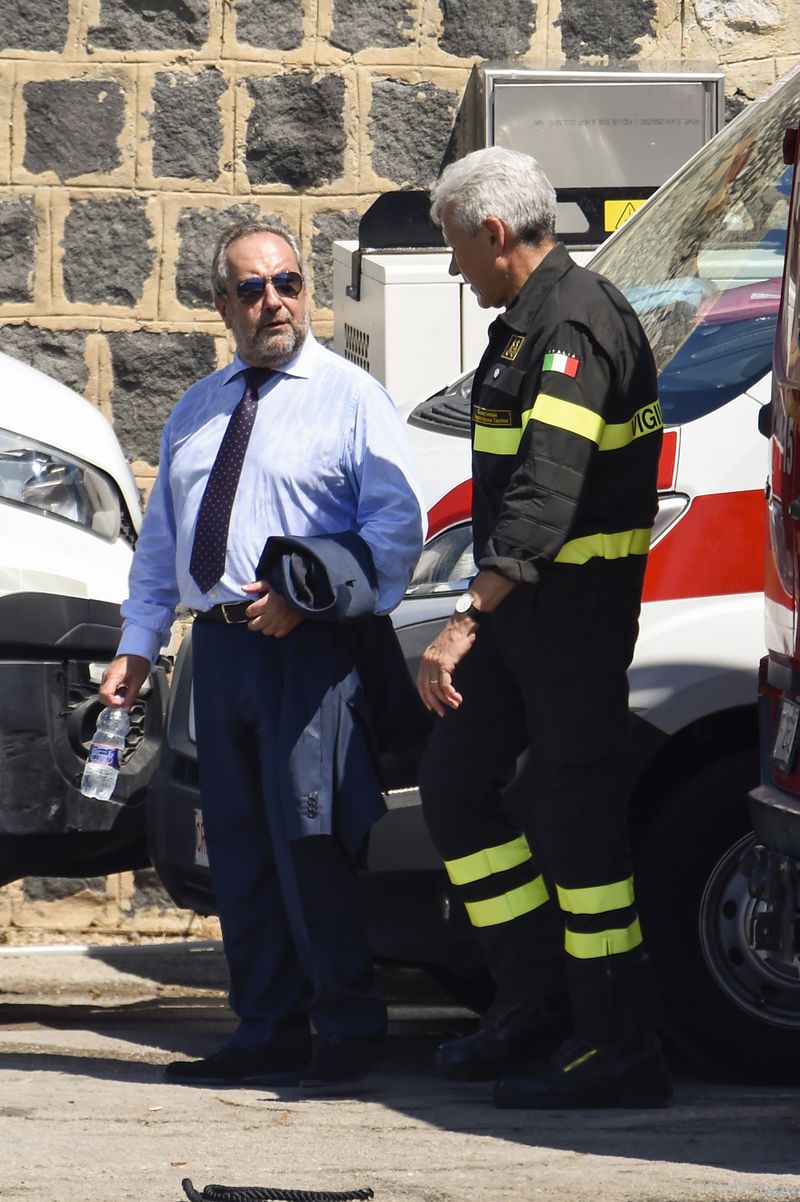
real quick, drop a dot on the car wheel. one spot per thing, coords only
(726, 1006)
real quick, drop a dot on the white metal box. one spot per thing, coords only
(414, 328)
(606, 138)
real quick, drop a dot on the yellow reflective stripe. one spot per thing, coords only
(566, 415)
(646, 420)
(509, 905)
(585, 946)
(605, 546)
(597, 900)
(581, 1060)
(488, 861)
(496, 440)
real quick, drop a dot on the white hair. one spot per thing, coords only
(501, 183)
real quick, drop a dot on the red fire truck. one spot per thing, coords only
(773, 863)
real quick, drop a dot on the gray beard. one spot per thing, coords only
(277, 351)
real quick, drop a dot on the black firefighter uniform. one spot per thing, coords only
(566, 430)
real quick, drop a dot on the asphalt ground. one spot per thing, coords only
(85, 1115)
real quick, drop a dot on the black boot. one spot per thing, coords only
(506, 1035)
(581, 1075)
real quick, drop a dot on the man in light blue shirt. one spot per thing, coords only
(324, 452)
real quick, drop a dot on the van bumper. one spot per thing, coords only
(52, 650)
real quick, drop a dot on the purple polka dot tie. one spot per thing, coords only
(213, 519)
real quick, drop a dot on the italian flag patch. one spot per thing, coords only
(562, 362)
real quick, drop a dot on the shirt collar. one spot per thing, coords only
(301, 365)
(538, 285)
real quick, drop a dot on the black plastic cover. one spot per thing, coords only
(399, 221)
(445, 413)
(49, 620)
(48, 712)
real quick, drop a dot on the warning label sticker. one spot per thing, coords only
(617, 212)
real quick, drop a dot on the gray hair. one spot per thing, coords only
(266, 225)
(501, 183)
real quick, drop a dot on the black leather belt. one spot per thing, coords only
(231, 612)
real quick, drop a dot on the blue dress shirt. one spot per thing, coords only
(327, 454)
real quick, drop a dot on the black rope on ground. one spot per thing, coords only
(255, 1193)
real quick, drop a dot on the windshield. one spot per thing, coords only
(702, 262)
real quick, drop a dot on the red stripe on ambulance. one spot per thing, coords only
(714, 550)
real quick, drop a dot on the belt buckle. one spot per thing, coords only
(225, 606)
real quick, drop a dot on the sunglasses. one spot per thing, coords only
(285, 283)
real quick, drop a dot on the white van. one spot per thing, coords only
(69, 516)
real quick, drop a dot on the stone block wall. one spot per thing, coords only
(134, 130)
(129, 906)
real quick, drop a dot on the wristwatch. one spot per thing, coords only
(466, 605)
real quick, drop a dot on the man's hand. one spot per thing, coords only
(435, 678)
(270, 614)
(439, 661)
(122, 680)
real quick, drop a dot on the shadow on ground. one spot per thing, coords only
(739, 1128)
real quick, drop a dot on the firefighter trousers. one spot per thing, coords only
(537, 848)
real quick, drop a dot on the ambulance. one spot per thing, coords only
(701, 262)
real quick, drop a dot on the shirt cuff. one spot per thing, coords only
(519, 571)
(136, 640)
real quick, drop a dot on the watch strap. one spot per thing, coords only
(473, 612)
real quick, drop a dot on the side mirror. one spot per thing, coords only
(765, 419)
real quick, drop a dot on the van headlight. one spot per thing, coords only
(671, 507)
(445, 564)
(39, 477)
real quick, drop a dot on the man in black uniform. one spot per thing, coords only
(566, 432)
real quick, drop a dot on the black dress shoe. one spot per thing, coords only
(238, 1066)
(340, 1061)
(581, 1075)
(506, 1036)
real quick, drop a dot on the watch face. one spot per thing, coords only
(464, 603)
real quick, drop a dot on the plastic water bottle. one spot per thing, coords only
(105, 753)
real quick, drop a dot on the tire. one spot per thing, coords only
(725, 1006)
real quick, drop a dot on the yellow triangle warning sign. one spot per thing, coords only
(617, 212)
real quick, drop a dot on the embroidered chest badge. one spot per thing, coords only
(513, 349)
(562, 362)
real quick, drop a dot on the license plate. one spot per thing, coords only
(200, 849)
(785, 746)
